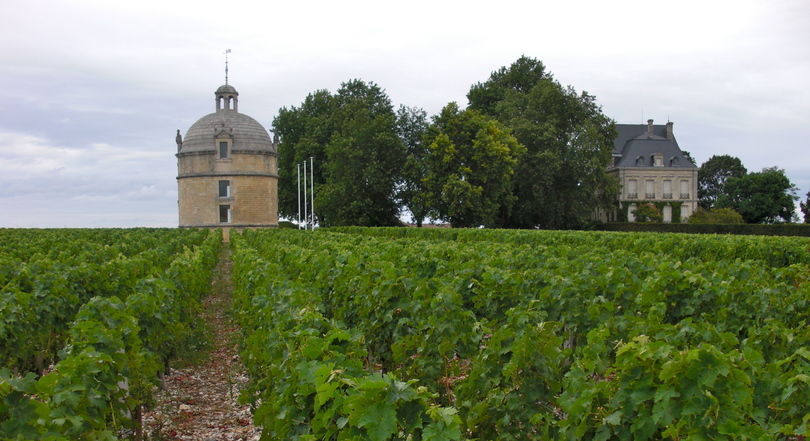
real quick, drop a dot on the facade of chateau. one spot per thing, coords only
(227, 174)
(651, 168)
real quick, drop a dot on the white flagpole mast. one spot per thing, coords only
(298, 166)
(312, 188)
(306, 219)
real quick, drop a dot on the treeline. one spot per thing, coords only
(728, 193)
(526, 152)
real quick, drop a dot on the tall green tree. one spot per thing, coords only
(364, 160)
(761, 197)
(411, 125)
(560, 182)
(470, 165)
(304, 133)
(352, 138)
(805, 208)
(688, 156)
(712, 177)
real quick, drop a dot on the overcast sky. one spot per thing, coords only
(94, 91)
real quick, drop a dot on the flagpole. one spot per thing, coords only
(306, 219)
(298, 172)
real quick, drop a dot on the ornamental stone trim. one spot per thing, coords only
(230, 173)
(227, 225)
(233, 151)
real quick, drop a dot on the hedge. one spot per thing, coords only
(743, 229)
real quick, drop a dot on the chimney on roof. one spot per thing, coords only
(649, 128)
(670, 136)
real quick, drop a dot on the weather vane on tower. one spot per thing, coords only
(227, 51)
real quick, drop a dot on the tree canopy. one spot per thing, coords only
(470, 163)
(561, 180)
(527, 152)
(805, 208)
(760, 197)
(353, 136)
(712, 177)
(411, 125)
(715, 216)
(304, 131)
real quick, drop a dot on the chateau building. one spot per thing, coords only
(227, 174)
(652, 168)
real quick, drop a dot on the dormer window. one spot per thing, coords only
(640, 161)
(223, 143)
(673, 162)
(658, 160)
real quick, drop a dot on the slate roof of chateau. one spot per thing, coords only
(633, 143)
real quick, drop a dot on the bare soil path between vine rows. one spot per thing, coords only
(201, 401)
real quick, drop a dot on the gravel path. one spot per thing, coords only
(200, 402)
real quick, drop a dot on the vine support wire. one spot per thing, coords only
(298, 167)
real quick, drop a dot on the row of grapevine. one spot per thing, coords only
(527, 339)
(311, 376)
(115, 345)
(775, 251)
(47, 275)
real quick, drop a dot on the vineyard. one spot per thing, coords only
(414, 334)
(88, 320)
(417, 334)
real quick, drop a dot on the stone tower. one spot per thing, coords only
(227, 174)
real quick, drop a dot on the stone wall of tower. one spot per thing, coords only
(197, 201)
(242, 162)
(254, 201)
(253, 196)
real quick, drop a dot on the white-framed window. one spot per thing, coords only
(224, 214)
(632, 189)
(224, 189)
(684, 189)
(667, 189)
(631, 215)
(650, 189)
(667, 213)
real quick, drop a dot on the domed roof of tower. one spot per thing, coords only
(226, 88)
(246, 133)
